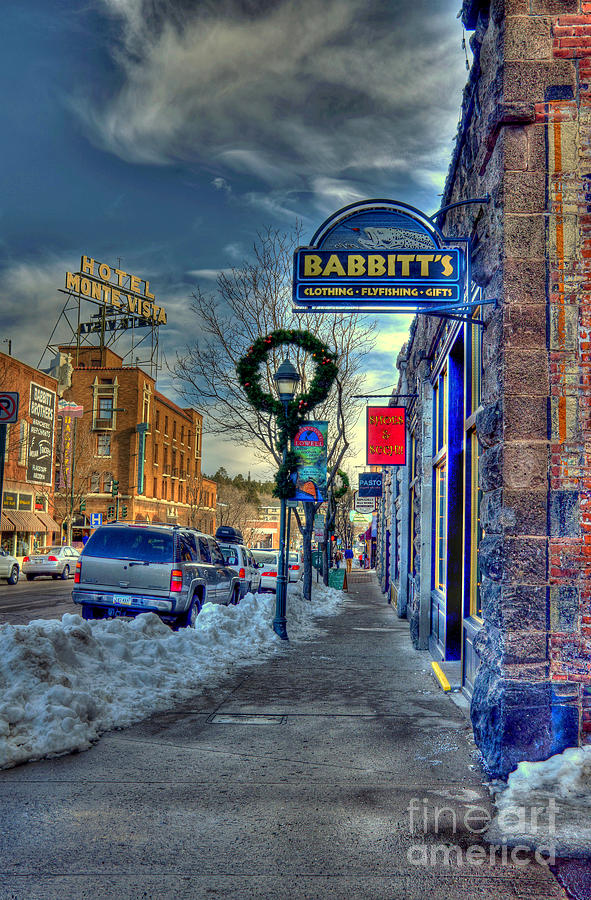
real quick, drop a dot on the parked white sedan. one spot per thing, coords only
(59, 562)
(267, 562)
(296, 565)
(9, 567)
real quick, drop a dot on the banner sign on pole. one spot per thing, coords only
(386, 436)
(309, 444)
(319, 526)
(41, 426)
(370, 484)
(380, 253)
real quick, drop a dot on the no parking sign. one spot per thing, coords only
(8, 407)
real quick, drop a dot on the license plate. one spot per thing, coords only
(122, 599)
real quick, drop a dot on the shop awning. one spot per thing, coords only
(6, 524)
(25, 521)
(49, 523)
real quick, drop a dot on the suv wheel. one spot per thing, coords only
(235, 596)
(13, 577)
(188, 619)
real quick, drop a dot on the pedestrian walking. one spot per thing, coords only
(338, 558)
(348, 558)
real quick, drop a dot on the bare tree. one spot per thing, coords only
(234, 509)
(253, 300)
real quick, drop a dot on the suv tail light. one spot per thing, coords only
(77, 573)
(242, 573)
(26, 559)
(295, 568)
(176, 580)
(271, 574)
(52, 558)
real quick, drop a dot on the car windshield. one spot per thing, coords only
(230, 556)
(130, 543)
(43, 551)
(294, 557)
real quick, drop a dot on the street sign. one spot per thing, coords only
(8, 407)
(96, 519)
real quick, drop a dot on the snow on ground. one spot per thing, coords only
(63, 683)
(559, 788)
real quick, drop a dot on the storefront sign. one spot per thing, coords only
(379, 253)
(68, 412)
(117, 289)
(310, 445)
(364, 504)
(25, 501)
(41, 428)
(370, 484)
(386, 436)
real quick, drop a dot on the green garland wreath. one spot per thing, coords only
(342, 490)
(298, 409)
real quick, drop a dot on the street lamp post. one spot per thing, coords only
(286, 379)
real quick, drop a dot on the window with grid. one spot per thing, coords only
(103, 444)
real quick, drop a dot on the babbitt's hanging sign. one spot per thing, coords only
(386, 436)
(114, 288)
(379, 253)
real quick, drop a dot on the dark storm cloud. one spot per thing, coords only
(324, 99)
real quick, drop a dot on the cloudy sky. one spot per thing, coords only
(166, 133)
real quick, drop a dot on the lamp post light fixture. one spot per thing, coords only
(286, 379)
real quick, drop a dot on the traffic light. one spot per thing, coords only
(82, 504)
(123, 512)
(114, 488)
(111, 512)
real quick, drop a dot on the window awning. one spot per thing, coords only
(25, 521)
(49, 523)
(6, 524)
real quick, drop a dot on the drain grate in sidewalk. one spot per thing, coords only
(246, 719)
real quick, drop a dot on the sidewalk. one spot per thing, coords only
(293, 779)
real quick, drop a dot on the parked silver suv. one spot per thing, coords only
(125, 570)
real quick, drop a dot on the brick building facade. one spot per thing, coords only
(489, 526)
(27, 497)
(133, 435)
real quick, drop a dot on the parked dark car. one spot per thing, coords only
(125, 570)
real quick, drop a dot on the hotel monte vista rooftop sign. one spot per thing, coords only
(379, 254)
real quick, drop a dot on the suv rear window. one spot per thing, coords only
(130, 543)
(230, 555)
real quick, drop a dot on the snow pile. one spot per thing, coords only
(547, 804)
(64, 682)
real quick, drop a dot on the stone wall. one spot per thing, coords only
(524, 139)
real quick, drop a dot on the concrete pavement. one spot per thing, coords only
(293, 779)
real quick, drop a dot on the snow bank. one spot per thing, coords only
(547, 804)
(64, 682)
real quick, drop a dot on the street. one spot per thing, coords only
(43, 598)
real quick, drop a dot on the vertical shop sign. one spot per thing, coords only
(41, 428)
(68, 412)
(386, 436)
(309, 444)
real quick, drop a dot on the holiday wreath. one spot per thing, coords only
(298, 409)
